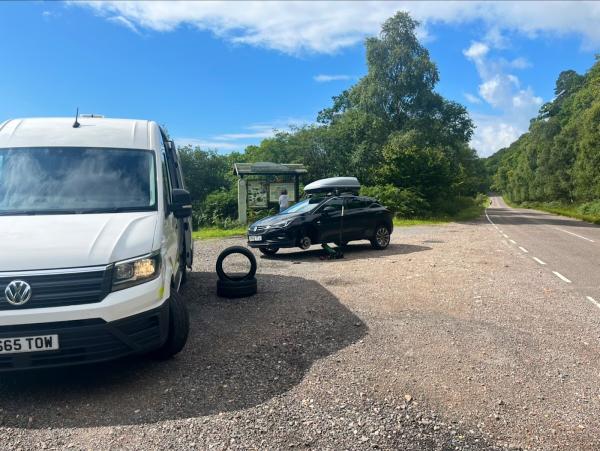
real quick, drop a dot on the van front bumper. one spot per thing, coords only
(89, 340)
(130, 321)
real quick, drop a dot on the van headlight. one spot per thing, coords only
(135, 271)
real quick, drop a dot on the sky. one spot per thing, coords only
(224, 75)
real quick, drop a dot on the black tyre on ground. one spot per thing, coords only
(236, 250)
(381, 237)
(268, 250)
(236, 289)
(179, 327)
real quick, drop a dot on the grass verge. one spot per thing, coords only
(206, 233)
(571, 211)
(466, 214)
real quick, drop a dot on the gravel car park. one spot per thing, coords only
(409, 348)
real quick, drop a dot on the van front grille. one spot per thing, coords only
(57, 290)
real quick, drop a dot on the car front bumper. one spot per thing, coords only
(273, 238)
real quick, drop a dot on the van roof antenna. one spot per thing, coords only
(76, 124)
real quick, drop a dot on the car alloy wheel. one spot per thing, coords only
(382, 236)
(305, 242)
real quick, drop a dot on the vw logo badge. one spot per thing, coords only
(17, 292)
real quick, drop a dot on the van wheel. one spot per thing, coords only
(268, 250)
(179, 327)
(381, 238)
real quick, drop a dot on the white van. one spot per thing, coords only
(94, 242)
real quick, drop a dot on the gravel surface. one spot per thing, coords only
(449, 339)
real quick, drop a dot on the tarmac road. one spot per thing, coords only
(568, 248)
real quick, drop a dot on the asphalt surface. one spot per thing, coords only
(568, 248)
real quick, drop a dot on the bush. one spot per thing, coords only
(219, 209)
(590, 208)
(255, 215)
(401, 201)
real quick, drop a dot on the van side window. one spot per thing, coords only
(166, 180)
(171, 162)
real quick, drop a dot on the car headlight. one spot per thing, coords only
(136, 271)
(281, 224)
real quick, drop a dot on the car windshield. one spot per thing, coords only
(55, 180)
(302, 207)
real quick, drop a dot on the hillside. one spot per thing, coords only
(558, 160)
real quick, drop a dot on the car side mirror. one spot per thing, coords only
(182, 203)
(328, 210)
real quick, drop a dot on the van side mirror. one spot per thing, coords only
(182, 203)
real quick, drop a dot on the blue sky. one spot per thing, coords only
(224, 75)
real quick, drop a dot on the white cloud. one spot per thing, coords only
(47, 15)
(513, 104)
(493, 133)
(123, 21)
(477, 50)
(520, 63)
(211, 145)
(472, 98)
(326, 27)
(324, 78)
(251, 134)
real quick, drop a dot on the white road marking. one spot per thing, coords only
(505, 235)
(560, 276)
(524, 250)
(538, 260)
(513, 241)
(593, 301)
(574, 234)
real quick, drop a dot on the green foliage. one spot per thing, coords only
(255, 215)
(558, 160)
(457, 209)
(403, 202)
(391, 130)
(219, 208)
(204, 171)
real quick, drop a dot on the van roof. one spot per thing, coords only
(93, 132)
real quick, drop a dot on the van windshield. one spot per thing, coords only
(61, 180)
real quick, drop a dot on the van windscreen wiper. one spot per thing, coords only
(36, 212)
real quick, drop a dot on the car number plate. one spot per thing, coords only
(28, 344)
(254, 238)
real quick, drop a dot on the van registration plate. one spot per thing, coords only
(28, 344)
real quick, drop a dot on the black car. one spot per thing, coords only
(324, 219)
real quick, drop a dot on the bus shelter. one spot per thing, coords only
(261, 184)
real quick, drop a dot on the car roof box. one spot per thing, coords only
(336, 185)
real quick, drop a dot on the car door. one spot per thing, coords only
(354, 219)
(330, 220)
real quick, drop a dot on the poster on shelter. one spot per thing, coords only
(275, 190)
(257, 194)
